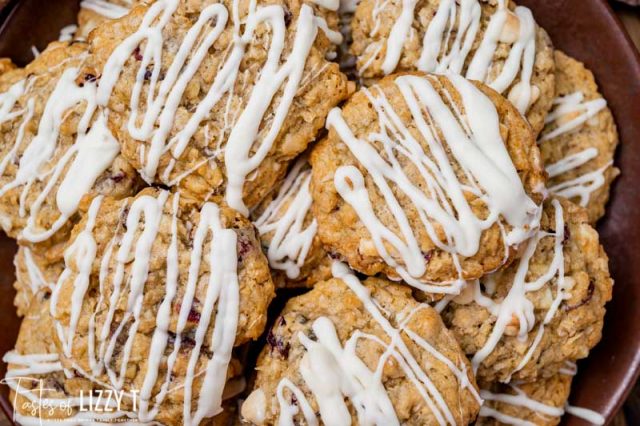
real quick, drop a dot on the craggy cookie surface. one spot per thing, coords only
(289, 231)
(39, 388)
(223, 95)
(526, 321)
(56, 150)
(426, 178)
(346, 339)
(540, 403)
(36, 276)
(156, 293)
(486, 40)
(579, 141)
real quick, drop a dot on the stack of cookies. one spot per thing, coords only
(304, 212)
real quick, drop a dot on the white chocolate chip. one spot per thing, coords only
(511, 30)
(535, 94)
(367, 248)
(466, 295)
(254, 407)
(519, 93)
(569, 283)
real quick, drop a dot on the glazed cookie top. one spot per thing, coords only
(43, 390)
(289, 232)
(539, 403)
(525, 321)
(156, 293)
(580, 138)
(56, 150)
(217, 97)
(428, 179)
(492, 41)
(40, 391)
(351, 351)
(36, 276)
(543, 402)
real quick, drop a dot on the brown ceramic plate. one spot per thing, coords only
(587, 30)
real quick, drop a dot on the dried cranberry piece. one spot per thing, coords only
(118, 177)
(567, 234)
(137, 54)
(244, 246)
(194, 316)
(584, 301)
(276, 343)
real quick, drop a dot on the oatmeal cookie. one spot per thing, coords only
(526, 321)
(36, 276)
(539, 403)
(429, 179)
(156, 293)
(56, 150)
(289, 232)
(329, 355)
(34, 372)
(486, 40)
(579, 141)
(224, 96)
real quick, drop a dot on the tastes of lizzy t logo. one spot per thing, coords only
(38, 399)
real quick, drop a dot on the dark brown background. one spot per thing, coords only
(584, 28)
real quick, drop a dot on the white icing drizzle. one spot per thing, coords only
(333, 371)
(247, 144)
(521, 399)
(8, 101)
(475, 143)
(106, 8)
(67, 33)
(78, 167)
(590, 416)
(26, 368)
(571, 162)
(450, 37)
(570, 114)
(516, 305)
(399, 33)
(575, 107)
(285, 218)
(288, 410)
(582, 186)
(439, 33)
(502, 417)
(220, 305)
(35, 276)
(570, 369)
